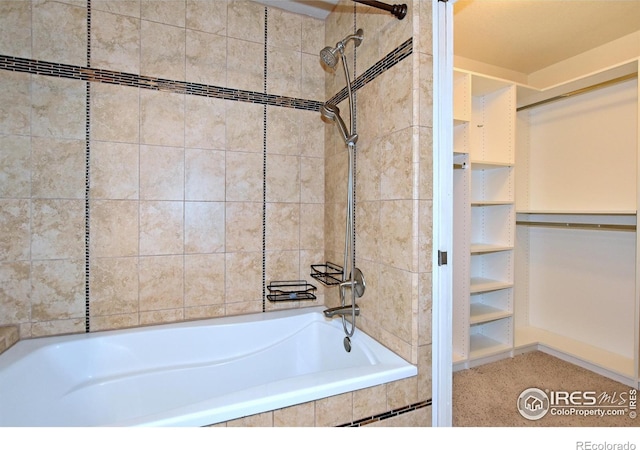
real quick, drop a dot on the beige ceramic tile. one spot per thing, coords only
(245, 65)
(204, 175)
(115, 113)
(426, 163)
(208, 16)
(257, 420)
(15, 96)
(302, 415)
(244, 127)
(243, 281)
(368, 230)
(58, 107)
(312, 130)
(396, 170)
(122, 7)
(15, 221)
(312, 38)
(57, 290)
(114, 170)
(284, 72)
(312, 180)
(369, 402)
(245, 20)
(282, 265)
(425, 372)
(396, 243)
(161, 118)
(14, 296)
(312, 226)
(204, 280)
(283, 131)
(54, 327)
(335, 410)
(161, 173)
(115, 42)
(243, 227)
(244, 175)
(284, 30)
(59, 32)
(160, 43)
(205, 122)
(57, 229)
(161, 316)
(284, 232)
(171, 12)
(114, 322)
(402, 393)
(113, 286)
(15, 23)
(51, 158)
(114, 228)
(161, 284)
(15, 166)
(206, 58)
(395, 306)
(425, 304)
(426, 90)
(425, 230)
(204, 227)
(161, 228)
(283, 178)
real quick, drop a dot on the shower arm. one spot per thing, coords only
(400, 11)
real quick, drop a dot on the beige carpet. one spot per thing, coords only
(487, 396)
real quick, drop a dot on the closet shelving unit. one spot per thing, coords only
(546, 254)
(484, 218)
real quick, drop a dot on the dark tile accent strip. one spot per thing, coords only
(87, 185)
(394, 57)
(36, 67)
(388, 414)
(264, 169)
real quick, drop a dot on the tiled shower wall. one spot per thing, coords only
(394, 176)
(143, 143)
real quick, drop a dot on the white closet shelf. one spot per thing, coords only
(481, 313)
(483, 346)
(477, 248)
(582, 212)
(486, 285)
(528, 336)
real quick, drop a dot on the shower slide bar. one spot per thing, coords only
(584, 226)
(400, 11)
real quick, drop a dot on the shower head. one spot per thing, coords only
(329, 55)
(332, 112)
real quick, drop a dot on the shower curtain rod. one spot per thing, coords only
(397, 10)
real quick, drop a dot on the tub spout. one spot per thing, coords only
(340, 311)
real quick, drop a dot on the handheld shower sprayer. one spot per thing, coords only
(329, 55)
(332, 112)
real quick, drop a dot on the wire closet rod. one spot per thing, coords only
(400, 11)
(584, 226)
(580, 91)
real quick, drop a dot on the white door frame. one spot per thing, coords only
(442, 307)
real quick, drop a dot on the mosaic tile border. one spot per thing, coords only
(388, 414)
(394, 57)
(87, 186)
(36, 67)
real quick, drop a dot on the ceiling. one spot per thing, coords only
(529, 35)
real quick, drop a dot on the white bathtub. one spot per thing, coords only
(188, 374)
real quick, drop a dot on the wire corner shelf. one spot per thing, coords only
(290, 291)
